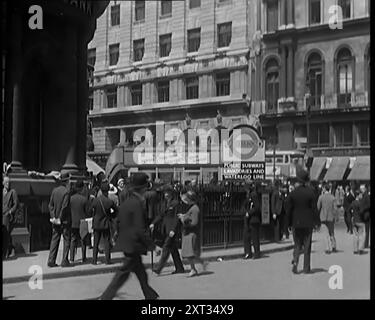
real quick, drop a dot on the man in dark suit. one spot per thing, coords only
(278, 211)
(59, 208)
(104, 211)
(365, 204)
(302, 215)
(170, 225)
(133, 239)
(348, 199)
(79, 208)
(252, 209)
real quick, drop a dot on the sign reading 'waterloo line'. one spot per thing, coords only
(244, 170)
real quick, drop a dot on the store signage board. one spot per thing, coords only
(244, 170)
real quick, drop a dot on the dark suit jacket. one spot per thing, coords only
(365, 204)
(133, 237)
(59, 205)
(348, 199)
(10, 205)
(277, 203)
(168, 216)
(79, 208)
(301, 208)
(253, 207)
(101, 219)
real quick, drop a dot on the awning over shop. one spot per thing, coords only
(317, 168)
(337, 169)
(361, 169)
(93, 167)
(115, 170)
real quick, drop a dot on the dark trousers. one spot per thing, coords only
(132, 263)
(302, 239)
(107, 250)
(7, 239)
(278, 228)
(74, 244)
(367, 231)
(251, 237)
(348, 221)
(170, 247)
(57, 231)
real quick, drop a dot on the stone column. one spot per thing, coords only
(18, 108)
(283, 73)
(290, 74)
(282, 12)
(71, 68)
(290, 12)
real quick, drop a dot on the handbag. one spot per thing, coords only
(113, 234)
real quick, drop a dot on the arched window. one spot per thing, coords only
(272, 85)
(315, 79)
(345, 81)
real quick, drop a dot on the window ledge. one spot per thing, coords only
(225, 3)
(192, 54)
(165, 16)
(139, 21)
(222, 49)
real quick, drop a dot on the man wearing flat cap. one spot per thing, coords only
(303, 217)
(59, 208)
(133, 239)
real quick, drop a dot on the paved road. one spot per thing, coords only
(267, 278)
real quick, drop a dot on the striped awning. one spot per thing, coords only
(361, 169)
(337, 169)
(317, 168)
(93, 167)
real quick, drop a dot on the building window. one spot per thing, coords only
(363, 133)
(192, 88)
(315, 79)
(194, 39)
(272, 85)
(319, 135)
(90, 103)
(194, 4)
(165, 45)
(91, 57)
(272, 15)
(223, 84)
(115, 15)
(163, 91)
(136, 92)
(345, 7)
(343, 135)
(114, 53)
(166, 8)
(345, 83)
(315, 15)
(139, 10)
(224, 32)
(138, 49)
(111, 94)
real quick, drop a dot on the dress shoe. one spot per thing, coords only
(193, 273)
(360, 252)
(308, 271)
(356, 252)
(327, 252)
(334, 250)
(294, 269)
(256, 256)
(178, 271)
(247, 256)
(94, 263)
(65, 264)
(109, 263)
(52, 265)
(156, 271)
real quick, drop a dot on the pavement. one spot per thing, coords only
(267, 278)
(20, 268)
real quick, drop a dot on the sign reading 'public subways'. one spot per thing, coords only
(244, 170)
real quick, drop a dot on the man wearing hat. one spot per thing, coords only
(170, 225)
(79, 208)
(59, 208)
(133, 239)
(303, 217)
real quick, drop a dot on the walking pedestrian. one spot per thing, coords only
(10, 206)
(191, 220)
(365, 203)
(303, 217)
(170, 227)
(104, 211)
(79, 209)
(61, 219)
(278, 197)
(358, 224)
(252, 207)
(133, 239)
(328, 216)
(348, 199)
